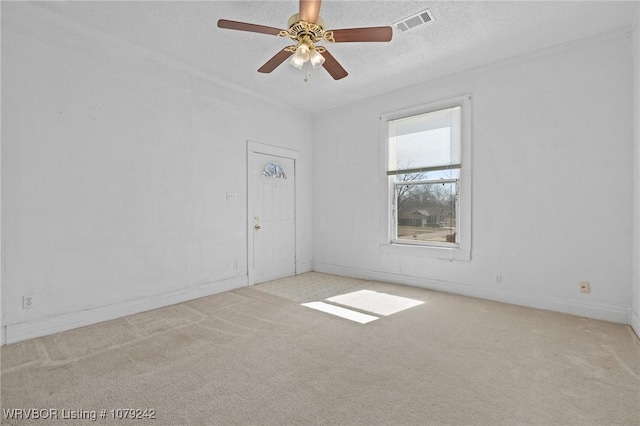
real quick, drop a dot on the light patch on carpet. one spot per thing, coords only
(341, 312)
(377, 303)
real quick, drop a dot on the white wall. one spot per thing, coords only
(115, 167)
(552, 178)
(635, 304)
(2, 337)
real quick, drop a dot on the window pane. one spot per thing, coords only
(274, 170)
(426, 140)
(439, 174)
(426, 212)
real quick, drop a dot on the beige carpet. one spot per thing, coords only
(251, 357)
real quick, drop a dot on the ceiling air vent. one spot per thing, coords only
(414, 20)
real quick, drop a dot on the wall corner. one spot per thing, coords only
(634, 319)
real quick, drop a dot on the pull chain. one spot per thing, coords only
(306, 69)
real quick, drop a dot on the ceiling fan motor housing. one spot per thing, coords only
(299, 29)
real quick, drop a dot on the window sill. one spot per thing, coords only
(448, 254)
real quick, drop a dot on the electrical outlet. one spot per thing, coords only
(585, 287)
(27, 302)
(232, 196)
(497, 279)
(235, 264)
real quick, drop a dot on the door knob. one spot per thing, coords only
(256, 227)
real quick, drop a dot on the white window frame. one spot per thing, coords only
(445, 251)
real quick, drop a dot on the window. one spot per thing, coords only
(274, 170)
(427, 169)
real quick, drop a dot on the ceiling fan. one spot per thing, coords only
(306, 28)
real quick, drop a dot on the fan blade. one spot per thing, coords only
(363, 34)
(333, 67)
(243, 26)
(274, 62)
(310, 10)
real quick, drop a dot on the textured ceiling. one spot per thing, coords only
(462, 36)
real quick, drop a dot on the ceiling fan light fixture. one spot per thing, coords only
(301, 56)
(316, 58)
(296, 62)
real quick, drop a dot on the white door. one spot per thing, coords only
(272, 217)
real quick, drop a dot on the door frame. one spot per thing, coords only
(254, 147)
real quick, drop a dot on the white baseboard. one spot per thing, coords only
(634, 320)
(595, 311)
(13, 333)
